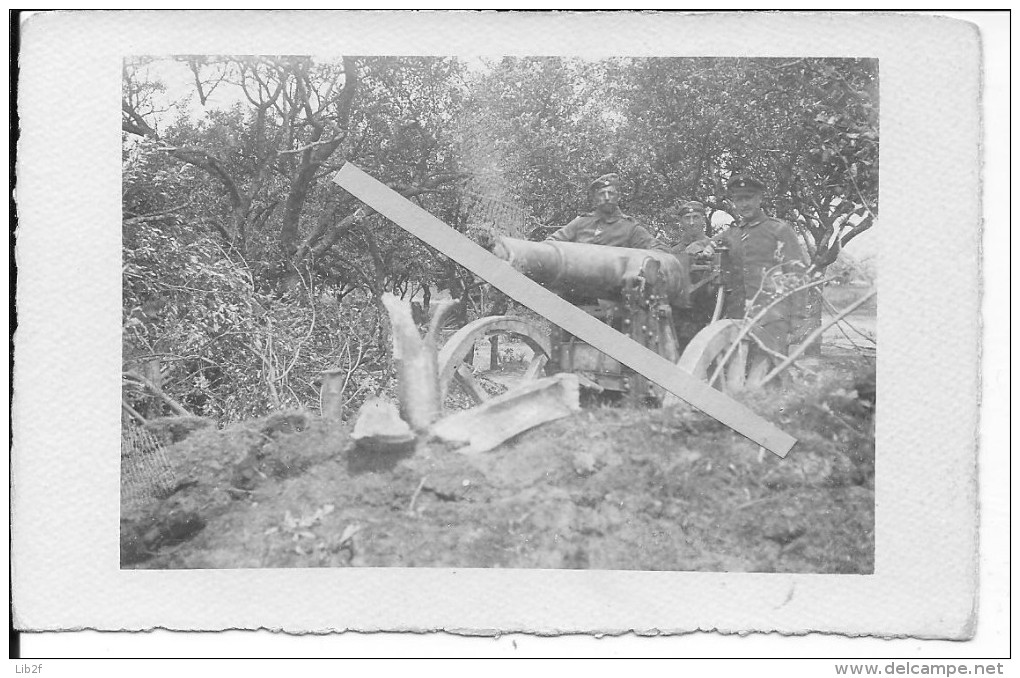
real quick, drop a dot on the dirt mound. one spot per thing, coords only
(607, 488)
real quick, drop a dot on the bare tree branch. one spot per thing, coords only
(135, 123)
(313, 156)
(865, 223)
(203, 94)
(155, 216)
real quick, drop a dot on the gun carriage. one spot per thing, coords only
(666, 303)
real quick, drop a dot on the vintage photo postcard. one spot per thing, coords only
(486, 323)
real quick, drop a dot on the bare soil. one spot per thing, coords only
(608, 488)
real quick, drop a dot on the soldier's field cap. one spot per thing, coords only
(691, 207)
(604, 181)
(744, 182)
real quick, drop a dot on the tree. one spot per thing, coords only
(283, 134)
(269, 153)
(547, 124)
(240, 257)
(676, 128)
(808, 127)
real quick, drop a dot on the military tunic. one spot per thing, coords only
(616, 230)
(756, 247)
(702, 301)
(687, 238)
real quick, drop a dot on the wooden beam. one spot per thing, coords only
(466, 378)
(501, 275)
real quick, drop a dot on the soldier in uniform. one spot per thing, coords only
(758, 244)
(693, 225)
(607, 225)
(692, 239)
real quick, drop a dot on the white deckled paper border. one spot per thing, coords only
(65, 465)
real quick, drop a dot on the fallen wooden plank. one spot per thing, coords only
(501, 275)
(495, 421)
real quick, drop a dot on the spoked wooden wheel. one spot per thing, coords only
(462, 344)
(744, 369)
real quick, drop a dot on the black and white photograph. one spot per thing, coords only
(306, 384)
(501, 323)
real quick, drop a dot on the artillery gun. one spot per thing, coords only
(681, 382)
(644, 294)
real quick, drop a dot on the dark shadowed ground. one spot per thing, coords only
(607, 488)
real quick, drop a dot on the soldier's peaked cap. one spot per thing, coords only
(745, 181)
(691, 207)
(611, 179)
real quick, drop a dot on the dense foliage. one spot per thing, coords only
(247, 272)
